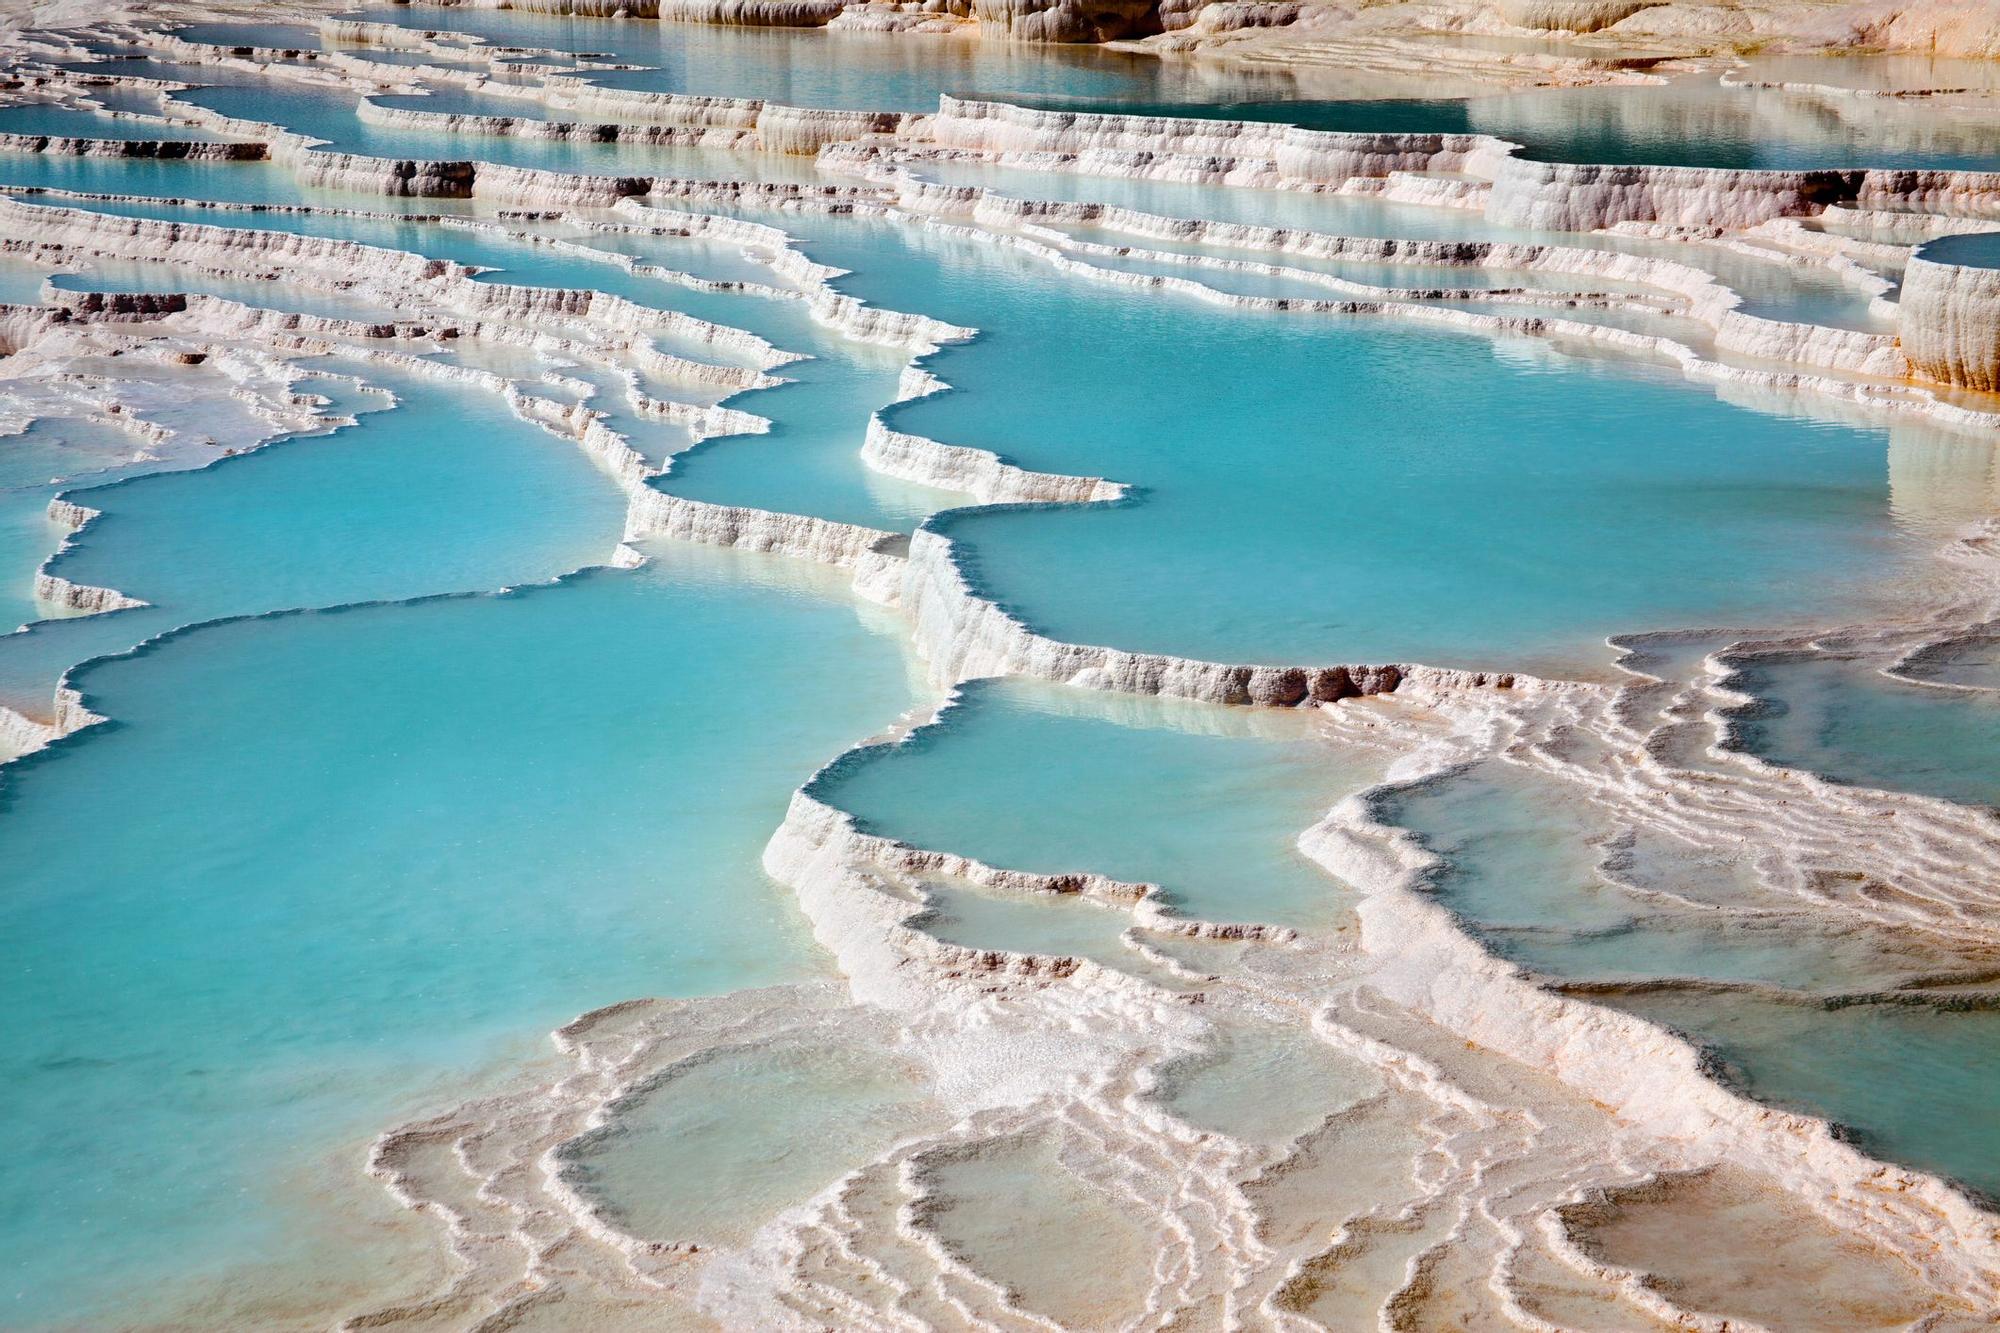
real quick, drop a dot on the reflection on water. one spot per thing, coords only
(812, 67)
(1694, 122)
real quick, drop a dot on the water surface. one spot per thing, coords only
(1206, 802)
(1297, 510)
(339, 863)
(1844, 719)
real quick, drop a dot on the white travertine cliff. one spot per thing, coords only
(1949, 318)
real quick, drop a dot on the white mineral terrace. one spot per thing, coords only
(1507, 1121)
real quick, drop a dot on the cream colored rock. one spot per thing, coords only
(1569, 15)
(1950, 323)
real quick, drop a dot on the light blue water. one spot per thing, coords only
(330, 868)
(460, 496)
(30, 463)
(1974, 250)
(699, 256)
(328, 114)
(1516, 856)
(1045, 924)
(258, 182)
(1846, 721)
(392, 231)
(1773, 290)
(144, 63)
(26, 538)
(325, 863)
(1384, 275)
(1295, 508)
(409, 58)
(1275, 208)
(115, 97)
(1973, 660)
(723, 1142)
(510, 261)
(76, 123)
(810, 463)
(280, 36)
(20, 283)
(447, 101)
(447, 493)
(1691, 122)
(1203, 801)
(57, 448)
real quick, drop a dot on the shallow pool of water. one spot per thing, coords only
(323, 865)
(1979, 249)
(446, 493)
(26, 539)
(1295, 509)
(396, 506)
(1206, 802)
(1915, 1083)
(1263, 1082)
(1079, 1258)
(1845, 720)
(261, 182)
(279, 36)
(82, 123)
(720, 1143)
(1568, 890)
(330, 868)
(1521, 870)
(269, 294)
(329, 115)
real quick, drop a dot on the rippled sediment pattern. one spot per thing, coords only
(1059, 718)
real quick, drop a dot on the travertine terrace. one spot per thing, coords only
(1519, 1149)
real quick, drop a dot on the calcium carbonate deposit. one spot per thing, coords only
(786, 664)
